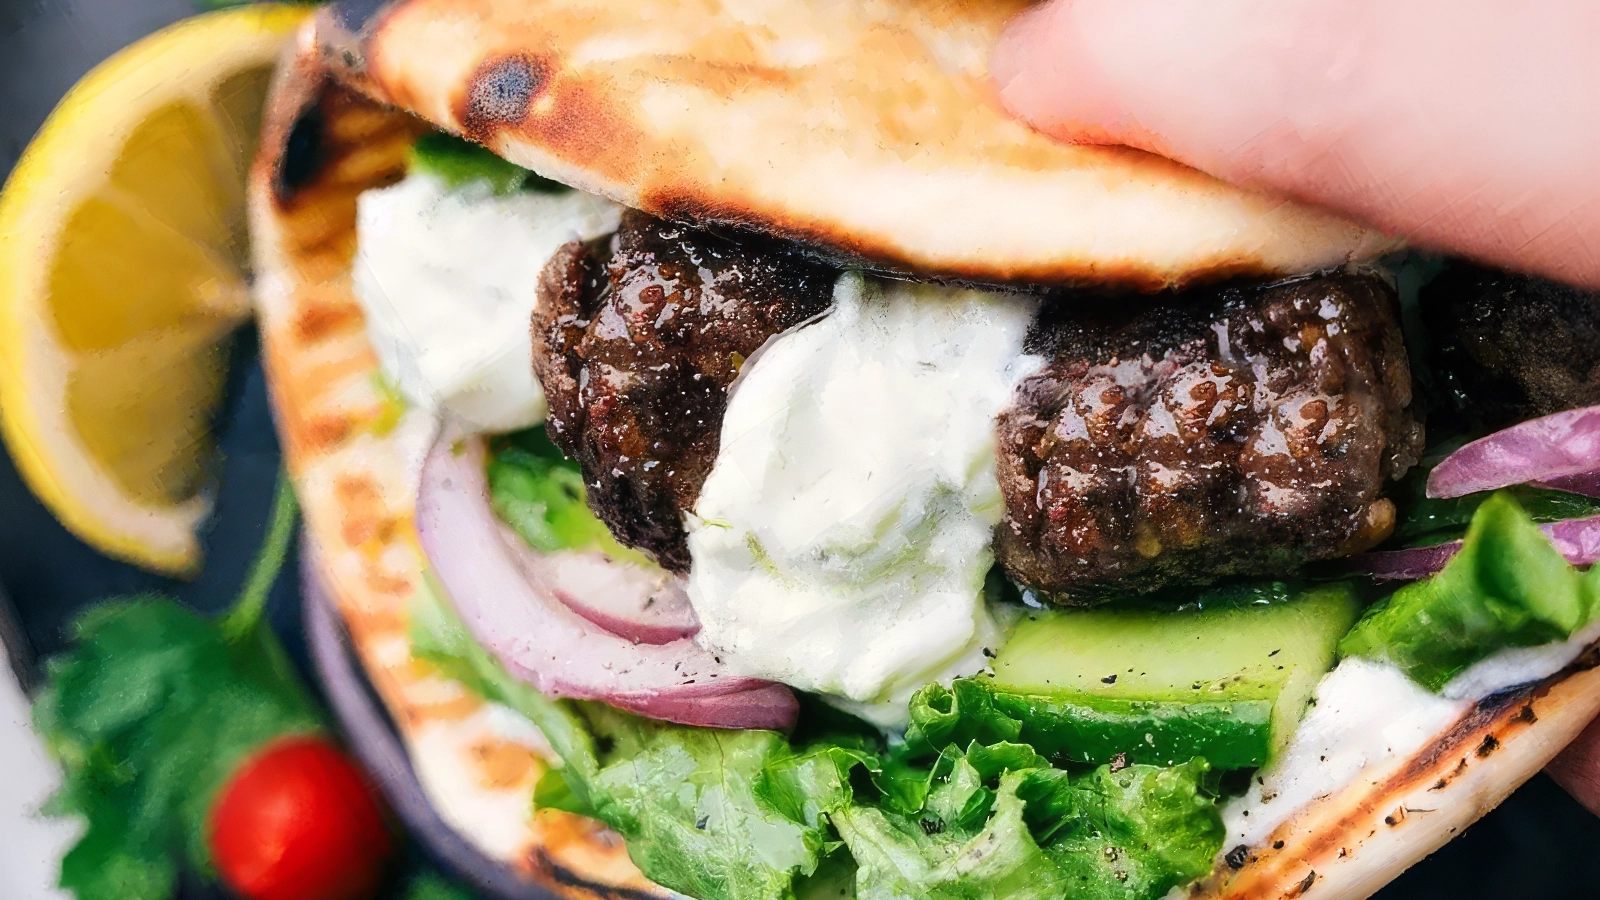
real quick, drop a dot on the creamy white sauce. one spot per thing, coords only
(1368, 716)
(1519, 665)
(448, 279)
(841, 540)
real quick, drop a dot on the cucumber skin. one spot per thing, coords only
(1230, 734)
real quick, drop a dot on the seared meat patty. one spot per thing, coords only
(1512, 347)
(636, 343)
(1233, 432)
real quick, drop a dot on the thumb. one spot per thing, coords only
(1468, 128)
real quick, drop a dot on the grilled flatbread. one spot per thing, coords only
(864, 128)
(355, 467)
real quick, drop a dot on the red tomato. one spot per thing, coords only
(298, 822)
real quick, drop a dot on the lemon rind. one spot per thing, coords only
(49, 179)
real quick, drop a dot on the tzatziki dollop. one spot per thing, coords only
(1367, 718)
(841, 541)
(448, 279)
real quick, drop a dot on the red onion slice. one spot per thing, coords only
(643, 606)
(1548, 449)
(1587, 484)
(543, 642)
(1577, 539)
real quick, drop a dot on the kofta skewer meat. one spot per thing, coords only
(1232, 431)
(636, 343)
(1240, 431)
(1506, 347)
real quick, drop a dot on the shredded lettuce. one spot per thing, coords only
(1135, 832)
(1507, 587)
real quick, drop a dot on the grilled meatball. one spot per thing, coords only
(636, 344)
(1512, 347)
(1232, 432)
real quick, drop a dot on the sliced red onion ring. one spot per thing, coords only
(1577, 539)
(1549, 449)
(643, 606)
(546, 644)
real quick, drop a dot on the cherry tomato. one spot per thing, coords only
(298, 821)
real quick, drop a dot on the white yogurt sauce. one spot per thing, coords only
(1519, 665)
(448, 278)
(1368, 716)
(841, 540)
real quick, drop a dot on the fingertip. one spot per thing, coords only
(1043, 76)
(1013, 54)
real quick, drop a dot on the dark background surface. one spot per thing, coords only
(1539, 845)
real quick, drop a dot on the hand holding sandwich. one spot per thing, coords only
(1469, 129)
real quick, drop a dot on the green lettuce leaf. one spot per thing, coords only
(1134, 833)
(709, 812)
(539, 493)
(459, 162)
(1507, 587)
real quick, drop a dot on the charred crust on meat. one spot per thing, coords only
(636, 343)
(1235, 431)
(1508, 347)
(500, 92)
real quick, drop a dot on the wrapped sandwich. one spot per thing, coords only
(748, 464)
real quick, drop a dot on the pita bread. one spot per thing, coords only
(355, 470)
(866, 129)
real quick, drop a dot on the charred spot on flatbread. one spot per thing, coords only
(303, 154)
(500, 93)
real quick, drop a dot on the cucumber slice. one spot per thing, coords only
(1194, 662)
(1230, 734)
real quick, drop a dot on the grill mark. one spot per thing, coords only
(500, 93)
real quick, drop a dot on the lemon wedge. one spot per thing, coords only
(123, 271)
